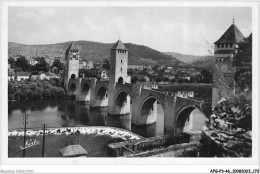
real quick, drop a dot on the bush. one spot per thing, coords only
(27, 90)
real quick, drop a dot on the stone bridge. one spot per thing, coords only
(141, 103)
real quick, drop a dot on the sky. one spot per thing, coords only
(186, 30)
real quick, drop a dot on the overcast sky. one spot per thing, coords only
(177, 29)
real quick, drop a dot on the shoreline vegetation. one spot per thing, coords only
(34, 89)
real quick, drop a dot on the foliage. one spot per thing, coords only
(35, 89)
(134, 80)
(42, 65)
(206, 76)
(11, 61)
(106, 64)
(23, 64)
(158, 79)
(57, 63)
(90, 73)
(243, 66)
(166, 79)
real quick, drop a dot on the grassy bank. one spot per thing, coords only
(96, 145)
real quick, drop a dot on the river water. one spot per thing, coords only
(69, 113)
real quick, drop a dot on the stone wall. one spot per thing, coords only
(130, 148)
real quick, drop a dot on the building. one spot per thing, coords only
(90, 65)
(50, 75)
(103, 74)
(148, 85)
(147, 79)
(185, 94)
(225, 49)
(11, 76)
(34, 77)
(42, 76)
(22, 76)
(169, 76)
(136, 67)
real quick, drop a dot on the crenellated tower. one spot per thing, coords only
(225, 49)
(118, 70)
(72, 64)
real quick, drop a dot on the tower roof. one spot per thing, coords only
(119, 46)
(72, 47)
(232, 35)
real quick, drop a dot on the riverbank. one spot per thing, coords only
(94, 139)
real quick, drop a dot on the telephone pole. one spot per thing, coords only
(25, 122)
(43, 139)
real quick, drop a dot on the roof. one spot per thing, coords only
(22, 73)
(11, 73)
(119, 46)
(232, 35)
(72, 47)
(73, 150)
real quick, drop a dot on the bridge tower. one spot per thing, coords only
(225, 49)
(118, 71)
(72, 64)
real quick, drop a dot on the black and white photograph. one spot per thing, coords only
(130, 83)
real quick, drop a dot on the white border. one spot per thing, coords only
(180, 164)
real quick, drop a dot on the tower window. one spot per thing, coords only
(121, 69)
(226, 45)
(121, 61)
(222, 45)
(230, 45)
(218, 45)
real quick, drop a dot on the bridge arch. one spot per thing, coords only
(85, 88)
(85, 91)
(149, 110)
(186, 121)
(72, 87)
(101, 97)
(123, 103)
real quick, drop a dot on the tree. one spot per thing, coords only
(134, 80)
(158, 79)
(11, 61)
(243, 65)
(106, 64)
(180, 80)
(23, 64)
(57, 63)
(42, 65)
(142, 79)
(166, 79)
(173, 80)
(206, 76)
(156, 67)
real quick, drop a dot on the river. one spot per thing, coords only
(69, 113)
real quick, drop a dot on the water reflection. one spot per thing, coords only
(68, 113)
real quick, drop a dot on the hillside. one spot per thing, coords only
(95, 51)
(184, 58)
(205, 62)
